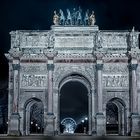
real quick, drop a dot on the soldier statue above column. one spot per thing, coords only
(74, 17)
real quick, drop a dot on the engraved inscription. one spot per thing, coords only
(74, 42)
(115, 68)
(33, 80)
(33, 68)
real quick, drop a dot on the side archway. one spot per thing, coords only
(116, 122)
(33, 117)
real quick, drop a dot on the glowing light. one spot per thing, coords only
(86, 118)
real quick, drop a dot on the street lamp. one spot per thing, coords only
(86, 125)
(36, 126)
(86, 118)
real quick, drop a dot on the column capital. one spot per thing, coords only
(98, 55)
(50, 54)
(16, 66)
(99, 66)
(50, 67)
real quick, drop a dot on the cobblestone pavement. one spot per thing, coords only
(69, 138)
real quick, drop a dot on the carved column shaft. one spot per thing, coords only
(99, 87)
(16, 87)
(50, 68)
(134, 94)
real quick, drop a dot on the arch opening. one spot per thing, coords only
(74, 104)
(115, 117)
(34, 117)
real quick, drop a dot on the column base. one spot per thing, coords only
(135, 127)
(100, 124)
(14, 129)
(49, 128)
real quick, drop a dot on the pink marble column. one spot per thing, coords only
(134, 94)
(99, 87)
(50, 68)
(16, 87)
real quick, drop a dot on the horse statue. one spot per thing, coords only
(79, 17)
(69, 18)
(86, 18)
(62, 17)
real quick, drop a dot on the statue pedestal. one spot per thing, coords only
(100, 124)
(135, 125)
(49, 127)
(14, 125)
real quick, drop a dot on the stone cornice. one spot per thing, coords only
(30, 56)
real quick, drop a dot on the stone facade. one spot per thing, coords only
(106, 62)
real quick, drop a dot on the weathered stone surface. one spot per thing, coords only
(43, 61)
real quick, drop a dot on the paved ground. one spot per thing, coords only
(69, 138)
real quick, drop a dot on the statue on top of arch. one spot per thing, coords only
(74, 18)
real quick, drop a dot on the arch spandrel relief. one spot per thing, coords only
(64, 71)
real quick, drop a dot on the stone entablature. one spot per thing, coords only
(74, 40)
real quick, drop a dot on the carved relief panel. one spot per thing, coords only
(115, 81)
(33, 76)
(115, 75)
(113, 40)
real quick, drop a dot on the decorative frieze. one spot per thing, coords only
(30, 68)
(74, 41)
(33, 80)
(111, 40)
(115, 68)
(115, 81)
(34, 39)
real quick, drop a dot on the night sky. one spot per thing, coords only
(37, 14)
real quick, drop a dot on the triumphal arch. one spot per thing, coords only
(74, 51)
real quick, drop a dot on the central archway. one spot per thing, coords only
(75, 102)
